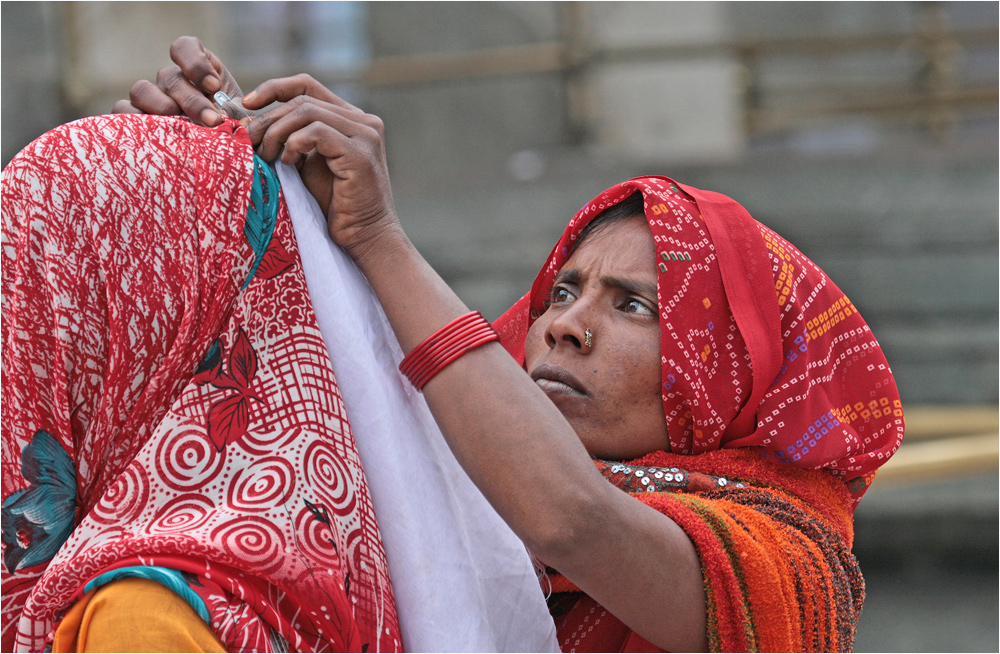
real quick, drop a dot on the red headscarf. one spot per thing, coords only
(171, 401)
(759, 347)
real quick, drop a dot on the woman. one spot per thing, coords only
(677, 349)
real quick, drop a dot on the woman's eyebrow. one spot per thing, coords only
(571, 276)
(631, 286)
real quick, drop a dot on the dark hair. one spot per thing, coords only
(630, 207)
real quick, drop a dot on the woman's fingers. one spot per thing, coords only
(284, 89)
(172, 94)
(148, 98)
(340, 153)
(273, 129)
(124, 107)
(180, 89)
(183, 87)
(173, 84)
(197, 63)
(319, 138)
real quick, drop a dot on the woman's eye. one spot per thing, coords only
(562, 295)
(638, 308)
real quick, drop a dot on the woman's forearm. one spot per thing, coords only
(509, 437)
(524, 456)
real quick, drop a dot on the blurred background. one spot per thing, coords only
(865, 133)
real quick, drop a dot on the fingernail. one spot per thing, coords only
(211, 83)
(210, 118)
(244, 121)
(249, 96)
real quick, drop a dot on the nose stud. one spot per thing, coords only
(588, 337)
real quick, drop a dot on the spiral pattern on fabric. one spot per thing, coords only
(326, 474)
(253, 540)
(182, 514)
(187, 459)
(125, 499)
(316, 537)
(264, 442)
(262, 486)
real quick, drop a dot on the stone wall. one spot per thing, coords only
(487, 171)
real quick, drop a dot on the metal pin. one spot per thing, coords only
(232, 107)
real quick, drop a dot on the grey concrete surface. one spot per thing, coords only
(929, 611)
(29, 87)
(928, 550)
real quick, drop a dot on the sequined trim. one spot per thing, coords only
(651, 479)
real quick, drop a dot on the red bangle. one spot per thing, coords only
(442, 358)
(444, 346)
(441, 348)
(424, 354)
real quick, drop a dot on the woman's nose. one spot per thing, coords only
(570, 327)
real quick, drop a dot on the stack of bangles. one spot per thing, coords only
(444, 346)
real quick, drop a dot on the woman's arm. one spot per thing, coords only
(508, 436)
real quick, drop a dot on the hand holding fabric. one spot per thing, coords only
(184, 88)
(339, 151)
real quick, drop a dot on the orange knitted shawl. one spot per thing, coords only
(774, 543)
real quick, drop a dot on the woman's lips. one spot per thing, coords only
(555, 380)
(552, 387)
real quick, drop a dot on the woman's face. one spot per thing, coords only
(609, 392)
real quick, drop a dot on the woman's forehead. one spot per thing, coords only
(625, 245)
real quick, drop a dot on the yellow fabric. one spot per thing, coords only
(134, 615)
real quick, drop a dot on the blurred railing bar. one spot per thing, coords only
(826, 44)
(432, 68)
(506, 60)
(937, 99)
(949, 457)
(910, 105)
(944, 441)
(926, 421)
(552, 56)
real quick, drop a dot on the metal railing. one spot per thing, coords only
(944, 441)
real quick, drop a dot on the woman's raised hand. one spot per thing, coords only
(181, 89)
(338, 149)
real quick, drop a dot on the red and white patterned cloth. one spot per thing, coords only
(164, 415)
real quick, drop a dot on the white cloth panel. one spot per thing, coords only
(462, 580)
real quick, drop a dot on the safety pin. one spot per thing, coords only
(232, 107)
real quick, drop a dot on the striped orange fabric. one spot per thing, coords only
(774, 543)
